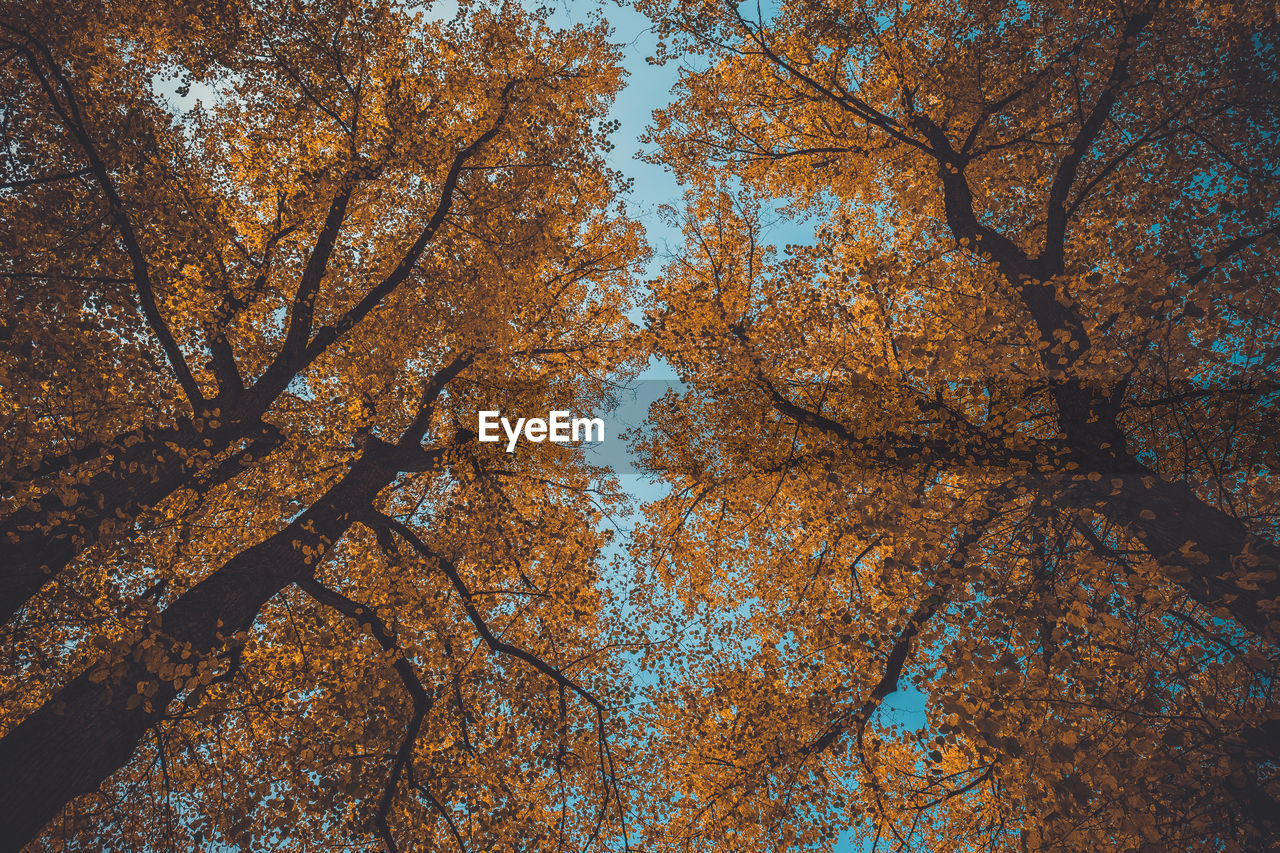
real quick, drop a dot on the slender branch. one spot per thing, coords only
(74, 120)
(422, 701)
(410, 258)
(304, 298)
(856, 718)
(853, 105)
(439, 807)
(1229, 250)
(44, 179)
(1056, 222)
(450, 571)
(897, 450)
(375, 519)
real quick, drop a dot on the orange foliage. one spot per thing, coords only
(263, 581)
(998, 440)
(1005, 428)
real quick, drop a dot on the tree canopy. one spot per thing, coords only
(1006, 425)
(999, 440)
(255, 559)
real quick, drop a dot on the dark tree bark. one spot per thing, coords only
(39, 541)
(90, 727)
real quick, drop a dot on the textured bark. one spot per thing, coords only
(86, 732)
(39, 541)
(1204, 550)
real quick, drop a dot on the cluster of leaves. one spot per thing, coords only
(999, 438)
(1005, 428)
(261, 585)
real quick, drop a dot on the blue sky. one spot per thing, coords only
(649, 87)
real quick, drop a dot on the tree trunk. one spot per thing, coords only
(38, 542)
(89, 729)
(1209, 553)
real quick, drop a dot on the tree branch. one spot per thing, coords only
(410, 258)
(1056, 217)
(375, 518)
(422, 701)
(72, 118)
(858, 717)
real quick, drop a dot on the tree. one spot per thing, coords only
(1005, 425)
(248, 526)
